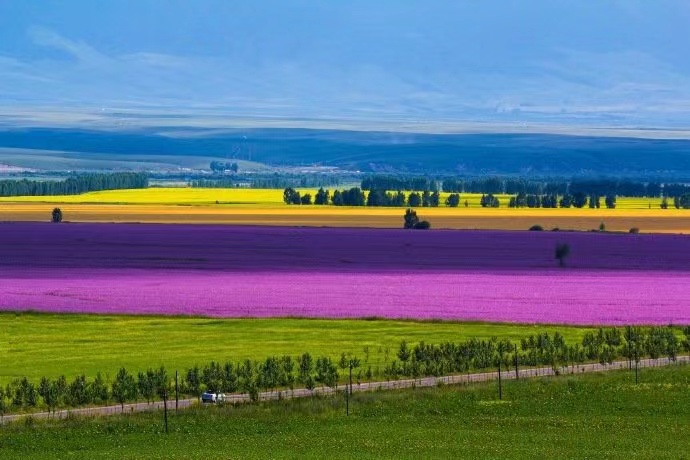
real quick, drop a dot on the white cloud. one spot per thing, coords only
(79, 50)
(570, 84)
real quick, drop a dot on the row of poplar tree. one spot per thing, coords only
(356, 197)
(576, 200)
(252, 377)
(74, 185)
(512, 186)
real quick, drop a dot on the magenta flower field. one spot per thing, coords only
(275, 272)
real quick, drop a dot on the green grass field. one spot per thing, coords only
(587, 416)
(36, 344)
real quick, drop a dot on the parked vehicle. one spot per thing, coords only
(212, 398)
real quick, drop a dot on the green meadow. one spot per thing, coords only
(37, 344)
(585, 416)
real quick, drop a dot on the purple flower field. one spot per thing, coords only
(267, 271)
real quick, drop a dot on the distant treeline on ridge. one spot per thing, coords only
(273, 181)
(514, 186)
(74, 185)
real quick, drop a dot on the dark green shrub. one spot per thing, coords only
(57, 215)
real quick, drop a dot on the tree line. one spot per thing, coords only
(357, 197)
(576, 200)
(286, 372)
(603, 346)
(679, 202)
(263, 180)
(514, 186)
(221, 167)
(74, 185)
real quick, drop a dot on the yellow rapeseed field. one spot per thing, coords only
(244, 196)
(266, 207)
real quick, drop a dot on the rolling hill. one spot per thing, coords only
(524, 154)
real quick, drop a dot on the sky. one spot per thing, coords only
(567, 63)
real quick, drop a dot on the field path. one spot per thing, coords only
(370, 386)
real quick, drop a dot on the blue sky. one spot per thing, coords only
(616, 62)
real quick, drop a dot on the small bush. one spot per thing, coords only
(602, 227)
(555, 229)
(536, 228)
(634, 230)
(561, 253)
(57, 215)
(423, 225)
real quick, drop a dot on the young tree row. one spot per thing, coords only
(603, 346)
(286, 372)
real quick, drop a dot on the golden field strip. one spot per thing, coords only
(266, 207)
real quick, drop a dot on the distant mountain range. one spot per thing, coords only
(381, 152)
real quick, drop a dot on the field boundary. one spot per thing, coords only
(423, 382)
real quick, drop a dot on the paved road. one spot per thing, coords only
(370, 386)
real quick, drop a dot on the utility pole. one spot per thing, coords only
(352, 363)
(500, 384)
(177, 392)
(517, 373)
(165, 409)
(350, 376)
(347, 400)
(629, 338)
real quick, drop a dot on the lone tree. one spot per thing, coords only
(610, 201)
(412, 221)
(562, 251)
(411, 218)
(57, 215)
(453, 200)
